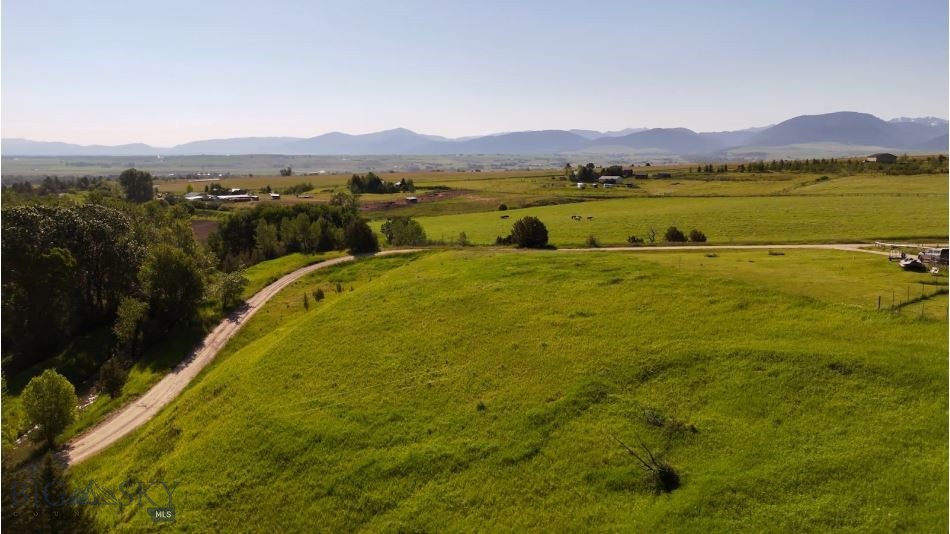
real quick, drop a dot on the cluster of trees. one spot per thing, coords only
(132, 272)
(370, 183)
(904, 165)
(268, 231)
(138, 185)
(709, 168)
(287, 171)
(52, 185)
(403, 231)
(590, 173)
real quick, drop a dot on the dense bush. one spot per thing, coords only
(634, 240)
(503, 207)
(674, 235)
(592, 242)
(529, 232)
(696, 236)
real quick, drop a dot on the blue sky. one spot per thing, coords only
(169, 72)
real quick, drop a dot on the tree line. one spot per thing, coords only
(370, 183)
(268, 231)
(121, 267)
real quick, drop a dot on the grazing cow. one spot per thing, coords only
(590, 217)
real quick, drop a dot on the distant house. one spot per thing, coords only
(581, 185)
(275, 196)
(883, 157)
(640, 175)
(412, 200)
(613, 180)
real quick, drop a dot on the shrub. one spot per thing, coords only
(696, 236)
(112, 376)
(463, 240)
(674, 235)
(634, 240)
(665, 478)
(318, 295)
(529, 232)
(592, 242)
(503, 207)
(306, 302)
(503, 240)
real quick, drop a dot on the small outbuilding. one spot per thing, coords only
(412, 200)
(613, 180)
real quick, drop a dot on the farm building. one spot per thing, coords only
(883, 157)
(640, 175)
(613, 180)
(275, 196)
(663, 175)
(581, 185)
(412, 200)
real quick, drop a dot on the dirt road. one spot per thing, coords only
(145, 407)
(127, 419)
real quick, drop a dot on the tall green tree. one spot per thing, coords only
(137, 185)
(112, 376)
(50, 402)
(360, 238)
(174, 286)
(129, 325)
(265, 239)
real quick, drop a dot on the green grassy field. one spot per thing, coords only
(474, 390)
(843, 277)
(724, 220)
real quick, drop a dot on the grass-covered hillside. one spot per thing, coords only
(475, 390)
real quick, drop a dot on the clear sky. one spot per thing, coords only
(167, 72)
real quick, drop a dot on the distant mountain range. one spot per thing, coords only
(839, 130)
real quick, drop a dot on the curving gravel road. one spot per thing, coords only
(134, 415)
(138, 412)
